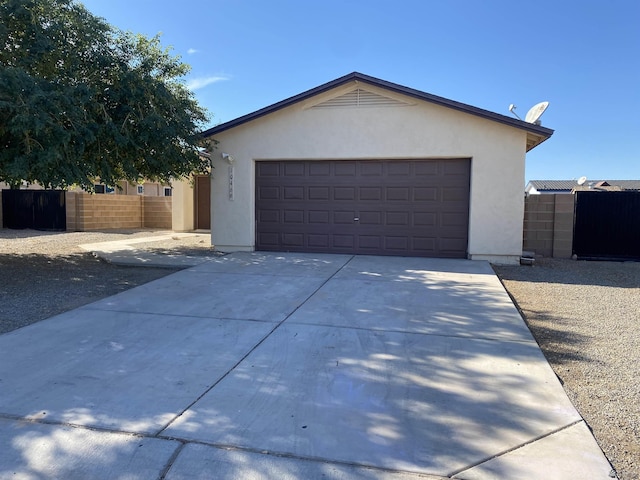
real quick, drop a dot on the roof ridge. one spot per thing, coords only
(394, 87)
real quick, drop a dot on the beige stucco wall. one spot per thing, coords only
(419, 130)
(182, 206)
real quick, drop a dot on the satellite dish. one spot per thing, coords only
(535, 112)
(581, 180)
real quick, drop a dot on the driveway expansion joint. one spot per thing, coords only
(517, 447)
(260, 342)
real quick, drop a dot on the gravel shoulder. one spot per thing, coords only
(586, 318)
(584, 315)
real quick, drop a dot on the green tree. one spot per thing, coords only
(81, 100)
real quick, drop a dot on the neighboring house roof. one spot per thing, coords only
(537, 133)
(571, 185)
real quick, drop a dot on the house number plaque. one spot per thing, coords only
(230, 182)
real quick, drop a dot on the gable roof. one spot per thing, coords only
(568, 185)
(538, 134)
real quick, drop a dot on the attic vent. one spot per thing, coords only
(360, 98)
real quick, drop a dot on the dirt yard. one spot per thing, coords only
(46, 273)
(586, 318)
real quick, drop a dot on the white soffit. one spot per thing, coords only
(360, 98)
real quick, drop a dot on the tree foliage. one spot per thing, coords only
(81, 100)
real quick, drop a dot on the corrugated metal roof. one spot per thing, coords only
(542, 185)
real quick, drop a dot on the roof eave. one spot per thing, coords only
(542, 133)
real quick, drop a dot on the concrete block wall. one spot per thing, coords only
(87, 212)
(71, 207)
(98, 212)
(548, 225)
(156, 212)
(103, 212)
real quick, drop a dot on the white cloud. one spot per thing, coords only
(191, 51)
(201, 82)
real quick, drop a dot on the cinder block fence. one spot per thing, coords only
(100, 212)
(548, 225)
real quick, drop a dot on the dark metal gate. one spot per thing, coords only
(36, 209)
(607, 225)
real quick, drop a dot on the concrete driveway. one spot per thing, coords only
(286, 366)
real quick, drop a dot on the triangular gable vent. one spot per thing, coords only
(360, 98)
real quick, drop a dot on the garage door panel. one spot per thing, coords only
(454, 194)
(453, 220)
(344, 168)
(398, 194)
(344, 193)
(421, 194)
(455, 167)
(318, 241)
(399, 244)
(370, 194)
(399, 168)
(293, 193)
(370, 218)
(319, 169)
(398, 218)
(426, 168)
(371, 168)
(269, 216)
(369, 207)
(319, 216)
(268, 169)
(319, 193)
(293, 239)
(450, 244)
(268, 193)
(294, 216)
(344, 217)
(424, 219)
(370, 242)
(269, 239)
(344, 241)
(294, 169)
(424, 244)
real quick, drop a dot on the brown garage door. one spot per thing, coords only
(393, 207)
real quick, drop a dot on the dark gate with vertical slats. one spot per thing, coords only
(36, 209)
(607, 225)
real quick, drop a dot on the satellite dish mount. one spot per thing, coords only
(512, 107)
(534, 113)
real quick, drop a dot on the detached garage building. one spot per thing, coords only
(364, 166)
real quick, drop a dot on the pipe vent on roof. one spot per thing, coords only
(360, 98)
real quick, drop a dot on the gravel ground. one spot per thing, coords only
(584, 315)
(586, 318)
(46, 273)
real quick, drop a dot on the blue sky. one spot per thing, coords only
(581, 56)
